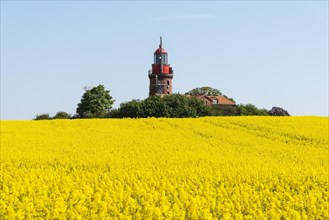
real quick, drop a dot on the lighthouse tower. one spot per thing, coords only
(161, 74)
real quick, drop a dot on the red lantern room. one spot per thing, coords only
(161, 74)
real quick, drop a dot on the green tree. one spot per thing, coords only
(95, 103)
(132, 109)
(114, 113)
(173, 106)
(250, 109)
(200, 108)
(178, 106)
(224, 110)
(154, 106)
(206, 90)
(44, 116)
(62, 115)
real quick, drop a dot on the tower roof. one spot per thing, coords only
(160, 50)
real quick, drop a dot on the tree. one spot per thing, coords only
(95, 103)
(62, 115)
(114, 113)
(206, 90)
(172, 106)
(44, 116)
(250, 109)
(277, 111)
(224, 110)
(200, 108)
(132, 109)
(154, 106)
(178, 106)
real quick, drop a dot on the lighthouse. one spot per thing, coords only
(161, 74)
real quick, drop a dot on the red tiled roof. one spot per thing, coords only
(220, 99)
(224, 101)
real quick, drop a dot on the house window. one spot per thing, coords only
(206, 102)
(168, 93)
(215, 101)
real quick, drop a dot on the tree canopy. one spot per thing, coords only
(95, 103)
(181, 106)
(44, 116)
(172, 106)
(250, 109)
(206, 90)
(62, 115)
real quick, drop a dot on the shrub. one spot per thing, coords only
(277, 111)
(62, 115)
(44, 116)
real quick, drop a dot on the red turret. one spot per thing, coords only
(161, 74)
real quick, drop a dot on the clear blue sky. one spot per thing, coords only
(262, 52)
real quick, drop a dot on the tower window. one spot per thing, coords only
(168, 93)
(168, 83)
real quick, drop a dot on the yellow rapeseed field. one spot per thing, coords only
(204, 168)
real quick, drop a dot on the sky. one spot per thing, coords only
(267, 53)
